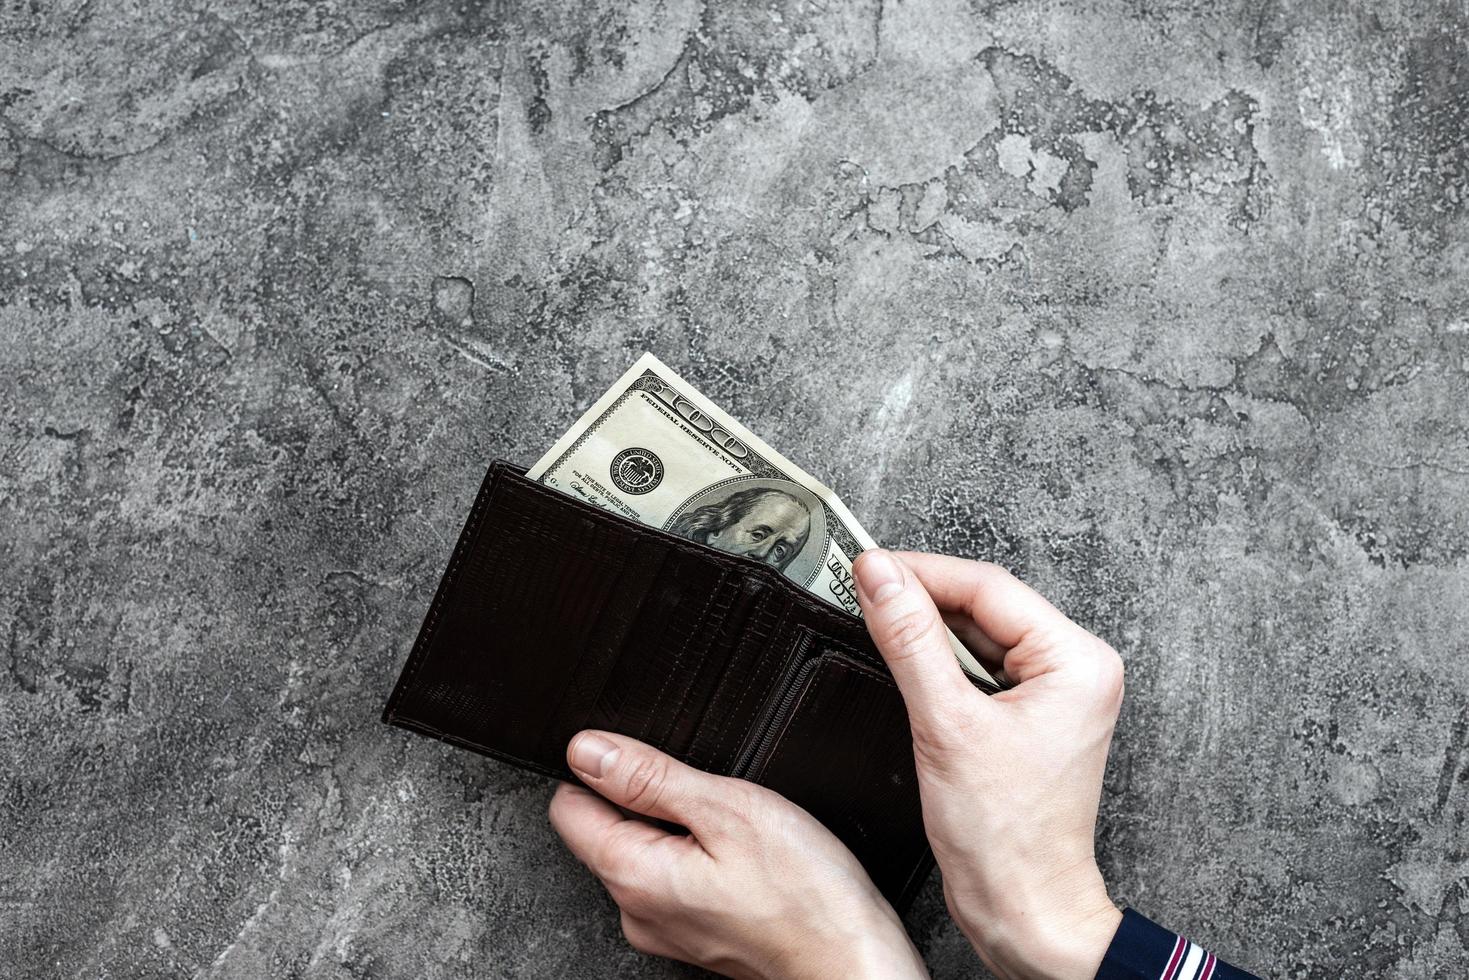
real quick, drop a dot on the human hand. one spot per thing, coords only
(756, 888)
(1010, 783)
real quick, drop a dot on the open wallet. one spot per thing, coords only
(555, 615)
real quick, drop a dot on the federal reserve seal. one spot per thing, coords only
(636, 470)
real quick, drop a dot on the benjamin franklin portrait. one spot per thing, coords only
(762, 522)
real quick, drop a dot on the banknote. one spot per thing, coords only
(656, 450)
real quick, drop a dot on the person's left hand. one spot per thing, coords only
(756, 888)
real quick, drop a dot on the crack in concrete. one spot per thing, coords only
(1453, 751)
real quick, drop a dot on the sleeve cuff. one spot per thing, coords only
(1144, 950)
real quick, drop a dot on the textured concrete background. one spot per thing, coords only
(1163, 305)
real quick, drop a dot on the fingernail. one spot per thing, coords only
(879, 575)
(593, 755)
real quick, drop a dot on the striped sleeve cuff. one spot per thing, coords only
(1143, 950)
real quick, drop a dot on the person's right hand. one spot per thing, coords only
(1010, 783)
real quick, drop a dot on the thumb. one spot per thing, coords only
(638, 777)
(910, 634)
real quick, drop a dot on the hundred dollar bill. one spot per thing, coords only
(655, 450)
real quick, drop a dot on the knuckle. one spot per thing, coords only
(743, 802)
(990, 576)
(1058, 635)
(646, 784)
(778, 819)
(1110, 674)
(630, 891)
(620, 859)
(608, 863)
(556, 808)
(638, 936)
(787, 821)
(563, 798)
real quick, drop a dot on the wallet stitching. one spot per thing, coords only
(699, 744)
(855, 659)
(703, 656)
(466, 543)
(768, 690)
(679, 658)
(717, 738)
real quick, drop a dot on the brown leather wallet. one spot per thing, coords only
(555, 615)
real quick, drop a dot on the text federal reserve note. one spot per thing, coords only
(655, 450)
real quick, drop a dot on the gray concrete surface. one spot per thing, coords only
(1164, 305)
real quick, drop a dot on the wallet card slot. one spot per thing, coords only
(705, 666)
(675, 701)
(701, 709)
(650, 678)
(758, 658)
(606, 643)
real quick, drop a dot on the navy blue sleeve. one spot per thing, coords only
(1144, 950)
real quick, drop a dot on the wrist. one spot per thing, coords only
(1059, 932)
(1058, 949)
(870, 947)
